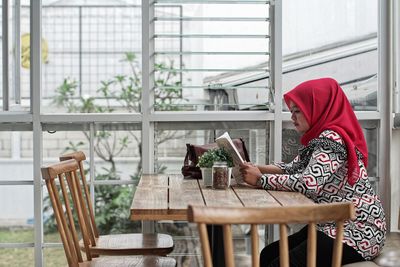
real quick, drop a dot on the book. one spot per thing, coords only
(225, 142)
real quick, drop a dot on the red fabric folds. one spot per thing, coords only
(326, 107)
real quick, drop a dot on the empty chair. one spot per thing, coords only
(64, 212)
(115, 244)
(310, 214)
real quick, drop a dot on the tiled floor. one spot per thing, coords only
(390, 256)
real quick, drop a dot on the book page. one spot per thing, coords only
(225, 141)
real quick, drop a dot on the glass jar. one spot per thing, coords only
(220, 174)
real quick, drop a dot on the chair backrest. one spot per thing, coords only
(310, 214)
(66, 174)
(87, 208)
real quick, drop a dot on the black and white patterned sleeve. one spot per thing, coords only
(324, 161)
(284, 166)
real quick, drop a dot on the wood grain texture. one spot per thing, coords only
(220, 198)
(153, 180)
(290, 198)
(150, 203)
(133, 261)
(92, 243)
(251, 197)
(310, 214)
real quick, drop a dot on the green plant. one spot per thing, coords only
(209, 157)
(123, 91)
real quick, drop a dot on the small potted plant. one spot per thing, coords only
(206, 161)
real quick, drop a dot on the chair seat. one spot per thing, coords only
(132, 244)
(132, 261)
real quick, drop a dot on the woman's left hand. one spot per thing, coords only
(250, 172)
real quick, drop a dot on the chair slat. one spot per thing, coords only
(228, 245)
(93, 243)
(338, 245)
(64, 212)
(255, 257)
(310, 214)
(205, 245)
(312, 245)
(283, 246)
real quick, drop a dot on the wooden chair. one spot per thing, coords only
(310, 214)
(116, 244)
(66, 173)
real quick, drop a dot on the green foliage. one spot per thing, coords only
(112, 203)
(209, 157)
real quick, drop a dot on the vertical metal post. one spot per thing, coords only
(275, 16)
(276, 73)
(147, 94)
(396, 43)
(6, 104)
(92, 165)
(181, 45)
(80, 51)
(384, 103)
(17, 53)
(35, 96)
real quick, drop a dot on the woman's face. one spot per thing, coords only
(298, 118)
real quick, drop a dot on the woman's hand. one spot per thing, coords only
(250, 172)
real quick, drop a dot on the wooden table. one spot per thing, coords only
(166, 197)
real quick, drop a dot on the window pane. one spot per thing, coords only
(171, 144)
(54, 257)
(208, 56)
(18, 59)
(23, 257)
(57, 141)
(117, 152)
(338, 40)
(17, 210)
(112, 209)
(94, 57)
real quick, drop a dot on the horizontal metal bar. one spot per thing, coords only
(242, 36)
(361, 115)
(242, 19)
(92, 117)
(211, 86)
(17, 245)
(198, 116)
(14, 116)
(211, 70)
(9, 182)
(210, 53)
(210, 2)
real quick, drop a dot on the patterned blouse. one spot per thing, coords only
(320, 173)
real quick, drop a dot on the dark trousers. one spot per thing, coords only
(269, 256)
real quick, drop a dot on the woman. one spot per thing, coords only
(331, 167)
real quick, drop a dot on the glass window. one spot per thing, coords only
(335, 39)
(93, 62)
(208, 55)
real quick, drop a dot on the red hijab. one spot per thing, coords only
(326, 107)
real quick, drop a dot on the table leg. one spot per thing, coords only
(215, 236)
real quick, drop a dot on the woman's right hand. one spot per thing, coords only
(250, 173)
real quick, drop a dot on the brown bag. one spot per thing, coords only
(193, 152)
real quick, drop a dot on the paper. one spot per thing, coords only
(225, 142)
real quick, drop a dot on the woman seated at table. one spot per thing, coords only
(331, 167)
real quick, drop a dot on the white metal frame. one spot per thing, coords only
(148, 117)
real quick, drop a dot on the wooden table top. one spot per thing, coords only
(166, 197)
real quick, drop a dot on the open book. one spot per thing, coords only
(225, 142)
